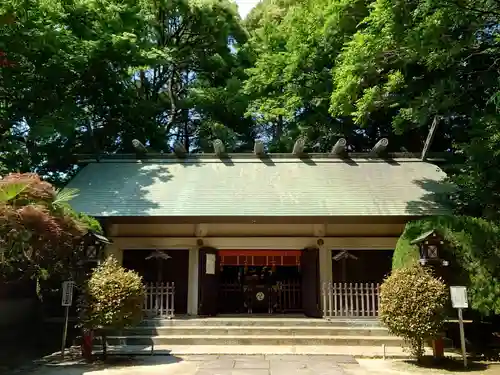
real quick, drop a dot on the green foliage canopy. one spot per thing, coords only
(86, 76)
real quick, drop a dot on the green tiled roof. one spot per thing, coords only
(255, 187)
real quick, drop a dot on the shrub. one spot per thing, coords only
(113, 298)
(412, 306)
(472, 249)
(39, 232)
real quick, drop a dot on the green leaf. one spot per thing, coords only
(10, 191)
(63, 196)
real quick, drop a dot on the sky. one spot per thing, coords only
(245, 6)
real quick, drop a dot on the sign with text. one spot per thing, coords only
(67, 293)
(459, 297)
(210, 266)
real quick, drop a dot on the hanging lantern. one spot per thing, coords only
(273, 266)
(245, 268)
(297, 261)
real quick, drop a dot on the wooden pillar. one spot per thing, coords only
(325, 268)
(192, 308)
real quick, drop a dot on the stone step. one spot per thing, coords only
(272, 322)
(255, 331)
(252, 340)
(283, 352)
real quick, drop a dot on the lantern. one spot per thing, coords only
(90, 250)
(430, 244)
(92, 245)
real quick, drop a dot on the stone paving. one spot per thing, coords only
(270, 365)
(206, 365)
(241, 365)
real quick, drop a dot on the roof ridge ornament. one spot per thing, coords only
(140, 149)
(219, 149)
(258, 148)
(430, 138)
(380, 147)
(179, 150)
(298, 147)
(339, 147)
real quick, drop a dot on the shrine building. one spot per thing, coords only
(258, 233)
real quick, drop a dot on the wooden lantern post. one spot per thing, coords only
(92, 247)
(430, 245)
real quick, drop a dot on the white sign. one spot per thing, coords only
(210, 267)
(67, 293)
(459, 297)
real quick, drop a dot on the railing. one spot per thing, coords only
(285, 296)
(289, 296)
(231, 298)
(159, 300)
(350, 299)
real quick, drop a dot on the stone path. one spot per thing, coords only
(240, 365)
(270, 365)
(207, 365)
(300, 350)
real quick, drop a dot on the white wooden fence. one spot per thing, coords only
(159, 300)
(350, 299)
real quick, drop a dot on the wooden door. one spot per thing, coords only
(309, 264)
(208, 282)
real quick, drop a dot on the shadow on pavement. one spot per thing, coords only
(73, 364)
(449, 364)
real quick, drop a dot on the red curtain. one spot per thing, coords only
(259, 257)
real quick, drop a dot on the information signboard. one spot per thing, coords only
(67, 293)
(210, 266)
(459, 297)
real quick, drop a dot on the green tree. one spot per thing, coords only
(411, 63)
(89, 77)
(295, 47)
(295, 44)
(63, 83)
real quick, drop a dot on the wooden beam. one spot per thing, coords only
(201, 230)
(339, 147)
(298, 147)
(179, 150)
(171, 157)
(266, 243)
(430, 138)
(258, 148)
(219, 149)
(380, 146)
(319, 230)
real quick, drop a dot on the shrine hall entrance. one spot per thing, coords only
(268, 281)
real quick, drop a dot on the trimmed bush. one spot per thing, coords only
(472, 249)
(412, 306)
(113, 298)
